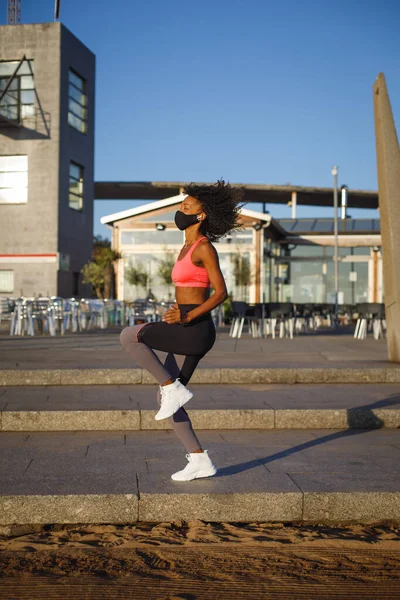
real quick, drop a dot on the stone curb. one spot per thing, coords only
(15, 377)
(303, 507)
(143, 420)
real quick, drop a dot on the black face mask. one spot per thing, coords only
(182, 220)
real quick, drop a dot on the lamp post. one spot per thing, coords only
(335, 228)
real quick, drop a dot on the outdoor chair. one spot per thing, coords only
(242, 312)
(21, 320)
(281, 314)
(370, 317)
(6, 309)
(303, 318)
(345, 311)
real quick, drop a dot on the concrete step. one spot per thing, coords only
(220, 375)
(257, 406)
(270, 476)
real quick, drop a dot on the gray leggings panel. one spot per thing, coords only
(148, 360)
(180, 420)
(142, 354)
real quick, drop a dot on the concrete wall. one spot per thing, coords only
(45, 225)
(31, 228)
(75, 227)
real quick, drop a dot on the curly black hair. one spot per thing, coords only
(220, 202)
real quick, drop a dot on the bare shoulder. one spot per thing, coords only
(206, 248)
(205, 255)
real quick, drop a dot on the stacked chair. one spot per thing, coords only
(263, 319)
(370, 317)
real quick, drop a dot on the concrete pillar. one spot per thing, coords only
(388, 164)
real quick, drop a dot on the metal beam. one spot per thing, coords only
(270, 194)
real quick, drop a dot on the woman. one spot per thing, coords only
(206, 213)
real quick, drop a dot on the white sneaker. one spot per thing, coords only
(173, 396)
(199, 465)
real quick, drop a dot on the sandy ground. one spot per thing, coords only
(196, 559)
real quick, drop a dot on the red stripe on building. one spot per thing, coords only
(3, 255)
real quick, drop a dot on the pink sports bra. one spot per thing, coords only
(186, 274)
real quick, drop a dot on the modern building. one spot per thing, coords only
(47, 79)
(270, 260)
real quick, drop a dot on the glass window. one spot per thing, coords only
(8, 68)
(324, 226)
(77, 101)
(304, 225)
(151, 274)
(76, 80)
(168, 216)
(307, 251)
(13, 179)
(75, 186)
(238, 237)
(19, 101)
(6, 281)
(362, 250)
(138, 237)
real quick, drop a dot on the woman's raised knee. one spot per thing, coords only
(128, 335)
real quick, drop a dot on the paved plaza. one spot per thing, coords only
(302, 430)
(96, 349)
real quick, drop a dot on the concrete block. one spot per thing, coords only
(206, 376)
(310, 419)
(221, 507)
(30, 377)
(215, 419)
(232, 419)
(73, 420)
(360, 507)
(330, 375)
(364, 418)
(392, 375)
(86, 508)
(277, 375)
(345, 496)
(101, 376)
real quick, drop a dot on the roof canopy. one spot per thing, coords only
(270, 194)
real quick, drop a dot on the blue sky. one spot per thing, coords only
(249, 90)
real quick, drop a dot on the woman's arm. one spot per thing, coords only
(209, 257)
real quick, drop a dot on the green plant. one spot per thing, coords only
(137, 276)
(165, 267)
(241, 272)
(94, 274)
(228, 310)
(99, 272)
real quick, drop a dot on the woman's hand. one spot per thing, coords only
(173, 315)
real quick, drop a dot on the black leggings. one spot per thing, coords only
(193, 341)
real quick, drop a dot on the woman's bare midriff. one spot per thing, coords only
(191, 295)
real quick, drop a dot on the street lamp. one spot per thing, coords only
(335, 228)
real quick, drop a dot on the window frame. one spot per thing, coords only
(84, 107)
(18, 79)
(25, 172)
(7, 291)
(81, 180)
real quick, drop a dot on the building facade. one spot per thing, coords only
(269, 260)
(47, 97)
